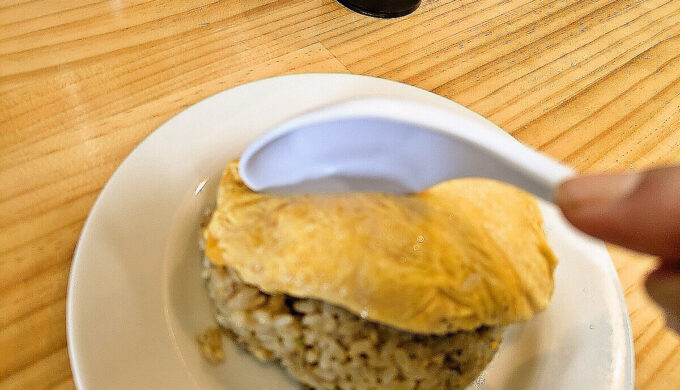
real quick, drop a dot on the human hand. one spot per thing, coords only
(639, 211)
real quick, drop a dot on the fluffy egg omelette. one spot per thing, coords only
(373, 290)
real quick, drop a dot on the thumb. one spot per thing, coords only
(639, 211)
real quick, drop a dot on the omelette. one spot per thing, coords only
(373, 290)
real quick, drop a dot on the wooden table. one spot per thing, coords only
(594, 83)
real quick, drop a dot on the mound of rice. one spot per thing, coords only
(328, 348)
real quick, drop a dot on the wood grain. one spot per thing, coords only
(594, 83)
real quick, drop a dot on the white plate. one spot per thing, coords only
(136, 300)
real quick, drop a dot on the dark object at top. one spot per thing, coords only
(382, 8)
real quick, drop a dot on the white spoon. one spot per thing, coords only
(388, 145)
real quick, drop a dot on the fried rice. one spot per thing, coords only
(326, 347)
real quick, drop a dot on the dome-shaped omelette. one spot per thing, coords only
(462, 254)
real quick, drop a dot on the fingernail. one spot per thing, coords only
(598, 188)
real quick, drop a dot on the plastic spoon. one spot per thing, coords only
(388, 145)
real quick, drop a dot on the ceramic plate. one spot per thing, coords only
(136, 300)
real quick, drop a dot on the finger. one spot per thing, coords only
(663, 286)
(638, 211)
